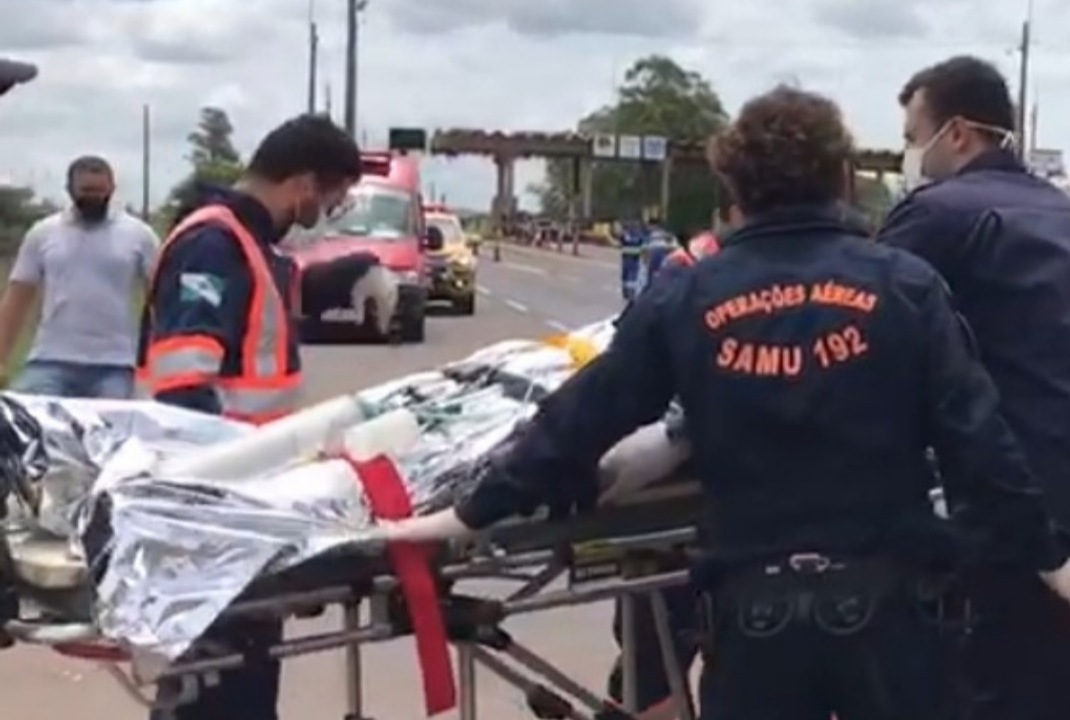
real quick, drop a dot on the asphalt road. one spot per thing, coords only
(530, 293)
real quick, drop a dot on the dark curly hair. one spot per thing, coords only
(787, 147)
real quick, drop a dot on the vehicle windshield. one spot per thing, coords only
(452, 232)
(377, 212)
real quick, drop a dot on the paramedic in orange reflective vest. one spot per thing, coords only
(217, 334)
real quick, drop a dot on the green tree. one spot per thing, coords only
(873, 197)
(19, 209)
(211, 142)
(657, 97)
(212, 155)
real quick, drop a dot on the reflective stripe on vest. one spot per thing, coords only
(697, 248)
(702, 246)
(264, 390)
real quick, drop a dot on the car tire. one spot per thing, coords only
(312, 332)
(465, 306)
(414, 328)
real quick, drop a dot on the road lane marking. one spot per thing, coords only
(519, 307)
(562, 327)
(520, 267)
(483, 290)
(567, 255)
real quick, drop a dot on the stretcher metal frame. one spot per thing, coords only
(629, 552)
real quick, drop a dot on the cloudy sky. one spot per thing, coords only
(496, 64)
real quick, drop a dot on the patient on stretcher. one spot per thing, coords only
(151, 482)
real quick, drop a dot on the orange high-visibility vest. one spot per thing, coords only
(265, 389)
(697, 248)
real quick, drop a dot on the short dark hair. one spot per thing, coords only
(93, 164)
(787, 147)
(307, 144)
(963, 86)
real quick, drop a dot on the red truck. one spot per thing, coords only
(382, 216)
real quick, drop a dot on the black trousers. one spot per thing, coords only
(1017, 655)
(250, 692)
(808, 663)
(651, 679)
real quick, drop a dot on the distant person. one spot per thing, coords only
(89, 263)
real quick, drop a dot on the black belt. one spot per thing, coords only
(837, 595)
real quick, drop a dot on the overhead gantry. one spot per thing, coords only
(506, 148)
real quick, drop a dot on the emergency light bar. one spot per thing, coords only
(375, 163)
(436, 209)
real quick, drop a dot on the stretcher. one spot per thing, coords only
(631, 550)
(180, 530)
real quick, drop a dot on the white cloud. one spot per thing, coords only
(497, 64)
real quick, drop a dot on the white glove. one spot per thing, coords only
(443, 525)
(644, 457)
(381, 287)
(1059, 580)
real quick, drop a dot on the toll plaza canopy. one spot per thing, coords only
(465, 141)
(14, 73)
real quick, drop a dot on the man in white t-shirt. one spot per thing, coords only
(89, 263)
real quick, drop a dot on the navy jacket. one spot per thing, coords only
(815, 368)
(1001, 238)
(210, 252)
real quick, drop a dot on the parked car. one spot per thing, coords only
(453, 268)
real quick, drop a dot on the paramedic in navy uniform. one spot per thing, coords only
(815, 368)
(1001, 238)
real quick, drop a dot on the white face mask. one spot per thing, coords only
(913, 167)
(913, 175)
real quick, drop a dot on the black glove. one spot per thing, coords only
(329, 285)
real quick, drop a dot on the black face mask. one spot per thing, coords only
(92, 210)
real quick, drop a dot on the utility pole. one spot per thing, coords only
(146, 143)
(313, 55)
(353, 10)
(328, 101)
(1033, 122)
(1023, 80)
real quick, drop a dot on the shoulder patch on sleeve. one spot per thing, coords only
(201, 287)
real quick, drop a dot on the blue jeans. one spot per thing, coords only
(76, 380)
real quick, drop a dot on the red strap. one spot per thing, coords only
(91, 651)
(389, 500)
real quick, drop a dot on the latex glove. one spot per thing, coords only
(1059, 580)
(644, 457)
(380, 286)
(329, 285)
(443, 525)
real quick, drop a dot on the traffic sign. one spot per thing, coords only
(1046, 162)
(604, 146)
(630, 147)
(409, 139)
(655, 148)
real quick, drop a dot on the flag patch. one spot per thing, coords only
(201, 287)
